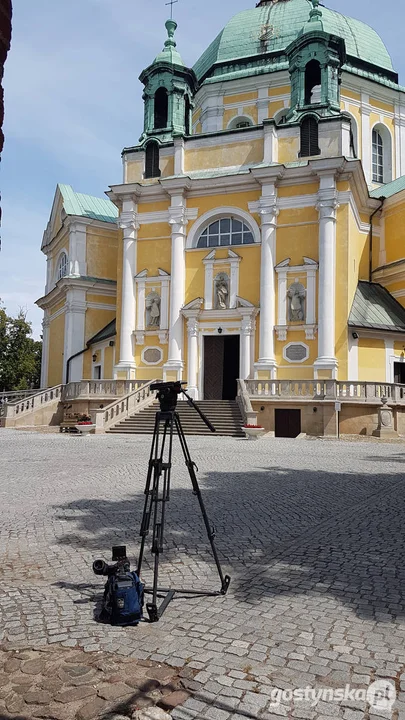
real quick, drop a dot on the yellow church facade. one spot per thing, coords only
(258, 232)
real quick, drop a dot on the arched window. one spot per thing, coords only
(62, 266)
(187, 111)
(382, 154)
(309, 137)
(161, 108)
(378, 157)
(152, 169)
(313, 81)
(242, 121)
(227, 231)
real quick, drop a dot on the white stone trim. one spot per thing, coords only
(216, 214)
(353, 359)
(77, 249)
(388, 150)
(366, 147)
(163, 216)
(390, 359)
(62, 251)
(240, 117)
(45, 350)
(101, 306)
(283, 269)
(227, 138)
(295, 362)
(75, 319)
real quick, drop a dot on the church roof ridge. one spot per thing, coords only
(88, 206)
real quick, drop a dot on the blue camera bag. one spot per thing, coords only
(123, 599)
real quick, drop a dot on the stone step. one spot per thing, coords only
(224, 415)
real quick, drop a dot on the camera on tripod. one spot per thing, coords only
(123, 591)
(168, 393)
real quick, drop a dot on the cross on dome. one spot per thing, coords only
(171, 3)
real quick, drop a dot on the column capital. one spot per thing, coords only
(327, 204)
(248, 325)
(46, 323)
(128, 220)
(178, 215)
(268, 210)
(192, 327)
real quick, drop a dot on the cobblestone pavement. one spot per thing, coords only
(311, 532)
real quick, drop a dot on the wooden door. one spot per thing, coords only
(213, 367)
(287, 423)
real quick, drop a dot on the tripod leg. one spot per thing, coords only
(191, 466)
(149, 494)
(159, 513)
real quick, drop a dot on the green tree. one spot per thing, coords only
(20, 354)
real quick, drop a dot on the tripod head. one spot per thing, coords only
(168, 394)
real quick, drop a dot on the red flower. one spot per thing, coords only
(260, 427)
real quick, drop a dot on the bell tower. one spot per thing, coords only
(168, 96)
(315, 64)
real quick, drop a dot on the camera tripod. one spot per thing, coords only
(157, 493)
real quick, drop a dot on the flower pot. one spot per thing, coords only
(85, 429)
(253, 433)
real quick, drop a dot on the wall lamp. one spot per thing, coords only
(355, 336)
(94, 357)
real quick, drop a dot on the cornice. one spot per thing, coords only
(58, 293)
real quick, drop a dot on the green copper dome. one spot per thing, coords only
(267, 30)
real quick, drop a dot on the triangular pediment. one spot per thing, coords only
(55, 219)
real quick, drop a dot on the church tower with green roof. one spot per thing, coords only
(168, 95)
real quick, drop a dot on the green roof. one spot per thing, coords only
(375, 308)
(107, 332)
(389, 189)
(87, 206)
(270, 28)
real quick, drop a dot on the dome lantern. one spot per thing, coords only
(168, 94)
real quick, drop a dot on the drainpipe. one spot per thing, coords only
(72, 357)
(370, 267)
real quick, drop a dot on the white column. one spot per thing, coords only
(327, 207)
(268, 212)
(246, 340)
(45, 350)
(128, 223)
(178, 222)
(192, 363)
(366, 136)
(74, 333)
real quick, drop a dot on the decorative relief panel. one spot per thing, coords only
(152, 356)
(296, 352)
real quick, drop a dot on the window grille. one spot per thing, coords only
(227, 231)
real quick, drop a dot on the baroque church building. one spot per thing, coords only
(259, 228)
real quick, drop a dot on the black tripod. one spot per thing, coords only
(157, 492)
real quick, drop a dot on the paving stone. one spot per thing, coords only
(171, 701)
(91, 709)
(14, 703)
(37, 697)
(114, 691)
(74, 694)
(154, 713)
(33, 667)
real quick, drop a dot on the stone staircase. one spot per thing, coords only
(225, 416)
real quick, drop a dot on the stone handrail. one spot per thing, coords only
(248, 414)
(91, 389)
(124, 407)
(332, 390)
(33, 402)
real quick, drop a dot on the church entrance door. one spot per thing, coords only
(221, 366)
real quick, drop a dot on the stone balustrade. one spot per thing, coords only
(249, 415)
(327, 390)
(123, 407)
(93, 389)
(40, 401)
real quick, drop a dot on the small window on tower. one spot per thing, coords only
(187, 111)
(152, 169)
(62, 266)
(309, 137)
(313, 81)
(161, 108)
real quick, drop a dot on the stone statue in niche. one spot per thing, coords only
(153, 310)
(296, 307)
(221, 291)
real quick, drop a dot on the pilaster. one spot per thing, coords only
(75, 317)
(45, 350)
(77, 250)
(366, 145)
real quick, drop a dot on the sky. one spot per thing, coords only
(73, 101)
